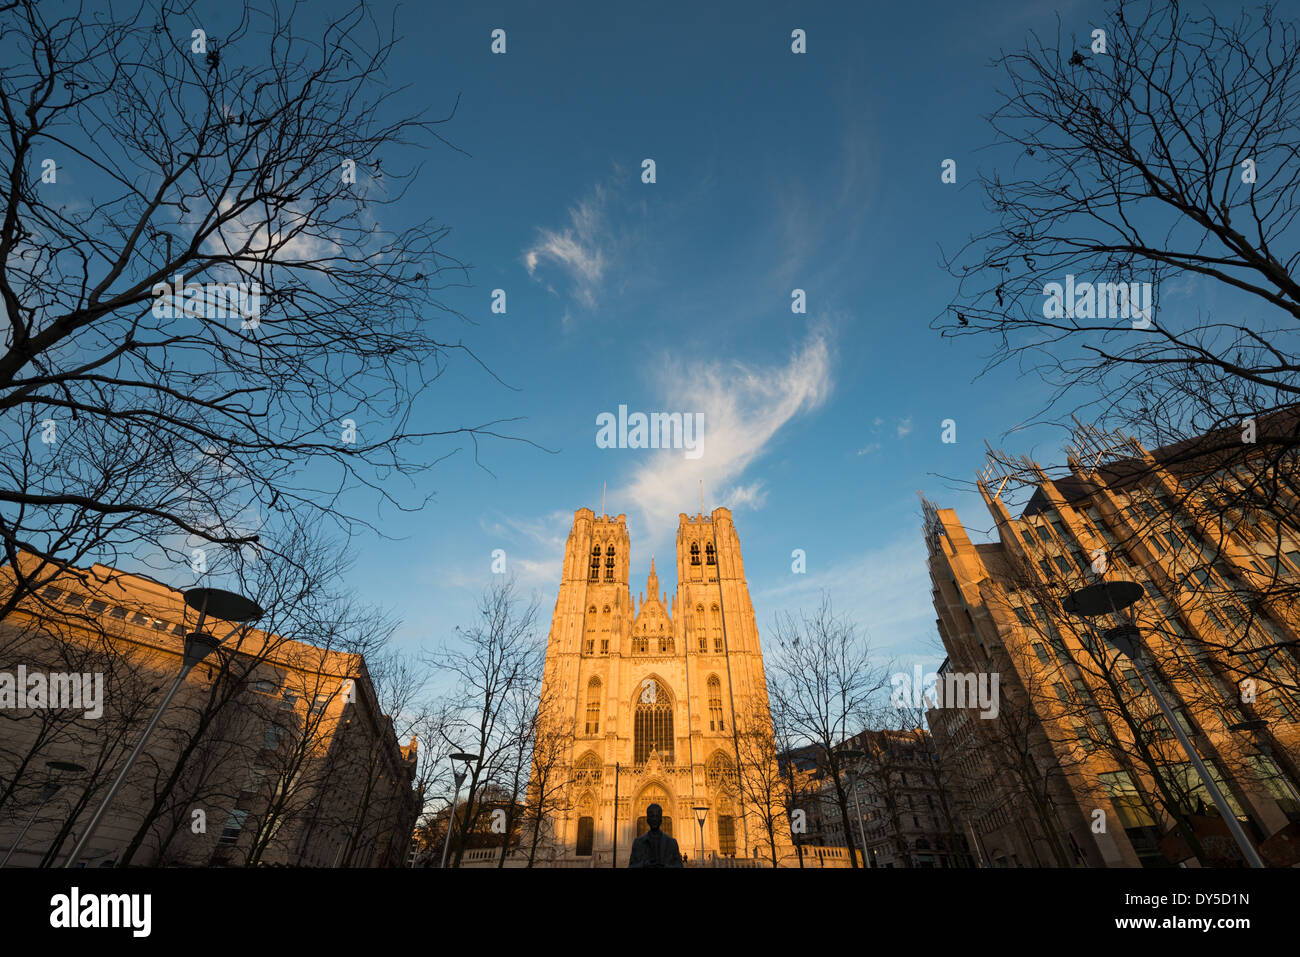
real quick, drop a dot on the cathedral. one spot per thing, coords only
(659, 693)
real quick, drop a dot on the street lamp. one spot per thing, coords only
(854, 755)
(701, 812)
(460, 779)
(214, 602)
(50, 789)
(1112, 598)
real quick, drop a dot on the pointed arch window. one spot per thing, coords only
(695, 553)
(709, 557)
(653, 727)
(593, 706)
(720, 776)
(715, 704)
(609, 563)
(717, 630)
(699, 629)
(594, 573)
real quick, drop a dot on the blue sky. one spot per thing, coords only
(775, 171)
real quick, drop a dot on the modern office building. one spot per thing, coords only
(1079, 765)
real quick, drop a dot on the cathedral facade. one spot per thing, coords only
(659, 693)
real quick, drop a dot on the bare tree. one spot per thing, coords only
(1165, 153)
(210, 287)
(548, 785)
(489, 662)
(824, 684)
(759, 776)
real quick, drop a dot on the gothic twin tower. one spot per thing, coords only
(666, 691)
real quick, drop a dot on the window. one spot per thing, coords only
(1062, 692)
(75, 601)
(604, 646)
(715, 704)
(699, 628)
(695, 553)
(727, 835)
(586, 836)
(1043, 533)
(119, 613)
(1043, 654)
(716, 618)
(1132, 678)
(593, 706)
(1066, 569)
(595, 566)
(609, 563)
(665, 644)
(288, 700)
(320, 703)
(1276, 784)
(273, 735)
(234, 824)
(1028, 536)
(52, 593)
(262, 686)
(591, 644)
(98, 606)
(653, 728)
(709, 557)
(1046, 567)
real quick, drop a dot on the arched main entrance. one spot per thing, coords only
(653, 793)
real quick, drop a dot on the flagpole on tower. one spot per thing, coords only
(701, 496)
(602, 498)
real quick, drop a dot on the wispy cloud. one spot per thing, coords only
(744, 407)
(581, 250)
(904, 426)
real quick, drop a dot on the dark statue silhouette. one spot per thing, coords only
(654, 848)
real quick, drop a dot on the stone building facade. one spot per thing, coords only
(273, 752)
(656, 689)
(1080, 767)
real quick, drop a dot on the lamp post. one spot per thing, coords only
(50, 789)
(460, 779)
(701, 812)
(213, 602)
(1114, 598)
(854, 755)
